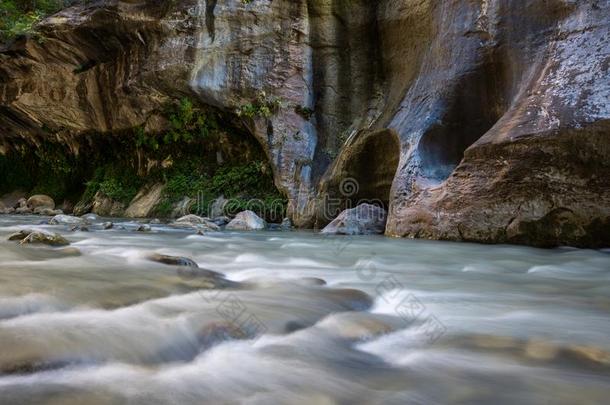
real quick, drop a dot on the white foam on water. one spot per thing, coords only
(29, 304)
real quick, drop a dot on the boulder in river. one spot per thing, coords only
(39, 237)
(247, 221)
(365, 219)
(107, 225)
(143, 228)
(172, 260)
(197, 221)
(65, 220)
(40, 201)
(221, 221)
(20, 235)
(91, 217)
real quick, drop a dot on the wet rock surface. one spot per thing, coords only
(366, 219)
(246, 221)
(26, 237)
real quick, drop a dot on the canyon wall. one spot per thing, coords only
(478, 120)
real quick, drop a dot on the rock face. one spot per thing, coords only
(482, 120)
(247, 221)
(365, 219)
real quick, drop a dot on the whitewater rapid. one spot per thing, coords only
(298, 318)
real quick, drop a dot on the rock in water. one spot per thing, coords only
(365, 219)
(90, 217)
(39, 237)
(172, 260)
(247, 221)
(221, 221)
(21, 235)
(198, 222)
(190, 219)
(107, 225)
(40, 201)
(286, 224)
(65, 220)
(143, 228)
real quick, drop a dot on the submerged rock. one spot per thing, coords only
(107, 225)
(359, 325)
(365, 219)
(247, 221)
(172, 260)
(143, 228)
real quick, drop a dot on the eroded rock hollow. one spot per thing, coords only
(482, 120)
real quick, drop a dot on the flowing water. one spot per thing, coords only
(298, 318)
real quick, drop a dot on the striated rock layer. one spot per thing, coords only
(483, 120)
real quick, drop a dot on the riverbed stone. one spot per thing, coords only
(197, 222)
(40, 201)
(247, 221)
(40, 237)
(23, 211)
(172, 260)
(90, 217)
(143, 228)
(20, 235)
(221, 221)
(66, 220)
(365, 219)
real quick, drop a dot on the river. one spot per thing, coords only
(298, 318)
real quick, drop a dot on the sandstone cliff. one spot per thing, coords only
(483, 120)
